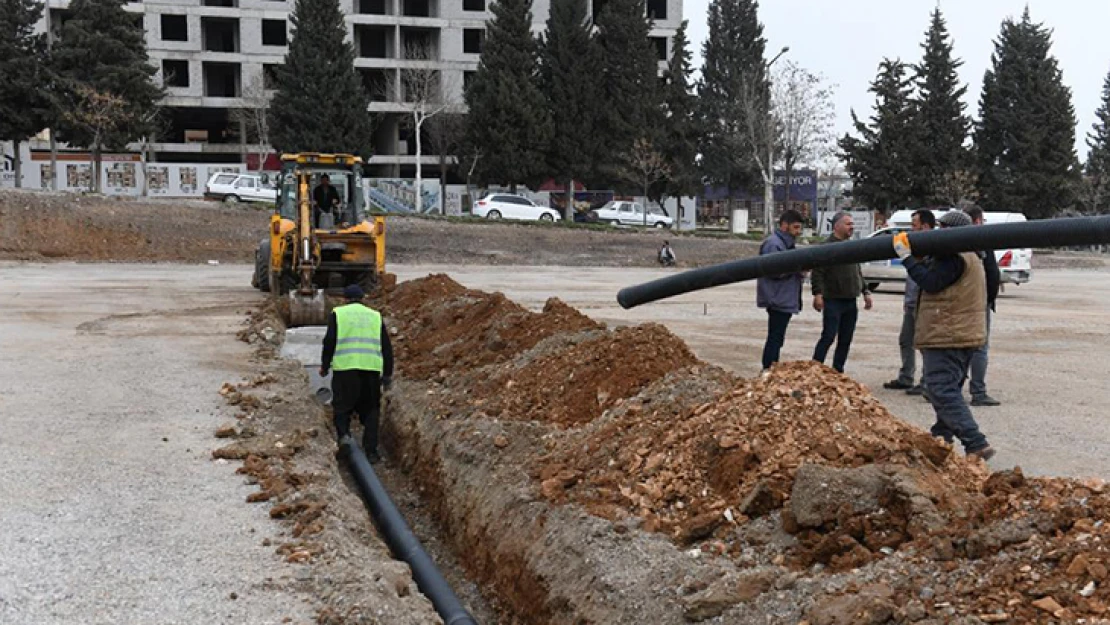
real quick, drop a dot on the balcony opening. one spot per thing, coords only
(175, 73)
(377, 83)
(274, 33)
(213, 125)
(657, 9)
(269, 76)
(220, 34)
(174, 28)
(371, 7)
(472, 40)
(474, 5)
(374, 42)
(420, 44)
(222, 80)
(221, 3)
(418, 8)
(468, 76)
(660, 47)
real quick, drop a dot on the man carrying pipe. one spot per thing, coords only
(357, 348)
(951, 325)
(781, 295)
(835, 290)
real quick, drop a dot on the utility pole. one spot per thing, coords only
(53, 139)
(769, 125)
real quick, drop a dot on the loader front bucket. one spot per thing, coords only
(308, 310)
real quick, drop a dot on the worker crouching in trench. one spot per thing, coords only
(951, 325)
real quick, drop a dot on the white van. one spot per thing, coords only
(1016, 265)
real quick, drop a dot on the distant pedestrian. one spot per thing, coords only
(978, 386)
(951, 325)
(666, 255)
(357, 348)
(923, 221)
(835, 291)
(781, 295)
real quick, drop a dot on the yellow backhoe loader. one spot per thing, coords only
(311, 252)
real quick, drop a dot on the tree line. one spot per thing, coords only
(919, 148)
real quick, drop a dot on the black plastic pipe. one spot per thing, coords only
(1046, 233)
(402, 542)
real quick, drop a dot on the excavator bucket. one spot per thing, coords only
(308, 310)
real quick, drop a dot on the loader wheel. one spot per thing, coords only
(261, 279)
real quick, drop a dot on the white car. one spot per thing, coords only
(624, 213)
(1015, 265)
(233, 187)
(509, 206)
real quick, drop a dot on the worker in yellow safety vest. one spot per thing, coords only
(357, 350)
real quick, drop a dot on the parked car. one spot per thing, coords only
(234, 187)
(509, 206)
(619, 212)
(1016, 265)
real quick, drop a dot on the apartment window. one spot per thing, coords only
(657, 9)
(417, 8)
(376, 83)
(660, 47)
(221, 80)
(419, 43)
(175, 73)
(468, 76)
(221, 3)
(371, 7)
(269, 76)
(472, 40)
(220, 34)
(373, 42)
(474, 5)
(273, 33)
(174, 28)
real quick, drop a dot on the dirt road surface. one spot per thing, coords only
(1050, 348)
(111, 508)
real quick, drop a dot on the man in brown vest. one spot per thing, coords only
(951, 325)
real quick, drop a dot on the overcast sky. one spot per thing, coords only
(846, 39)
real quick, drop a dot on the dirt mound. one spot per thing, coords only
(735, 456)
(441, 326)
(572, 386)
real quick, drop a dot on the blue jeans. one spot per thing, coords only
(777, 321)
(838, 324)
(945, 372)
(979, 360)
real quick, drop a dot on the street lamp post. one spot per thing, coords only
(769, 124)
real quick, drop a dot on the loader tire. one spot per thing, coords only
(262, 267)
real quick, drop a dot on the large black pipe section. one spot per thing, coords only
(403, 542)
(1047, 233)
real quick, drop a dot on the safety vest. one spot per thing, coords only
(358, 342)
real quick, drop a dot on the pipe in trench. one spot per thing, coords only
(402, 542)
(1045, 233)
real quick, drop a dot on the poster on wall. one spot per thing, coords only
(78, 177)
(397, 195)
(157, 180)
(187, 180)
(119, 179)
(46, 174)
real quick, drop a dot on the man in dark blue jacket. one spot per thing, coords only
(780, 295)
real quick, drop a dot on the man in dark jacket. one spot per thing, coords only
(835, 290)
(357, 347)
(978, 386)
(923, 219)
(951, 325)
(780, 295)
(325, 199)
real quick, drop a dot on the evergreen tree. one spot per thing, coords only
(102, 57)
(679, 143)
(320, 103)
(1098, 156)
(941, 125)
(570, 68)
(733, 66)
(24, 103)
(1025, 137)
(879, 160)
(631, 100)
(508, 124)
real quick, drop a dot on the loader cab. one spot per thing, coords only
(345, 174)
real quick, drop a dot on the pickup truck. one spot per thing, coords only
(623, 213)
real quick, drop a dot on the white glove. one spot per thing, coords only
(902, 245)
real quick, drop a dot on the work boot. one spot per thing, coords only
(897, 385)
(985, 400)
(916, 390)
(986, 453)
(345, 439)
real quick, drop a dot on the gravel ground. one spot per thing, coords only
(111, 509)
(1050, 348)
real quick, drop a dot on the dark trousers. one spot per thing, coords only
(979, 361)
(945, 372)
(357, 392)
(905, 344)
(838, 324)
(777, 321)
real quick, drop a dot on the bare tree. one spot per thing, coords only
(804, 112)
(645, 166)
(762, 137)
(429, 94)
(445, 135)
(98, 114)
(253, 120)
